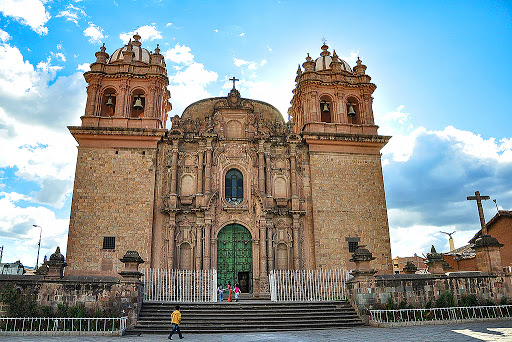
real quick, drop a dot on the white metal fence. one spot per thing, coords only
(308, 285)
(42, 324)
(441, 314)
(180, 285)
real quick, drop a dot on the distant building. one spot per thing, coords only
(13, 268)
(399, 264)
(462, 259)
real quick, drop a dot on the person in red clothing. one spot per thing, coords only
(237, 292)
(230, 290)
(175, 321)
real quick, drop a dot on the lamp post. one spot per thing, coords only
(39, 244)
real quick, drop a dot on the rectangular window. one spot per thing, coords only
(352, 246)
(109, 242)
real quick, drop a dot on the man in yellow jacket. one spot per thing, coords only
(175, 321)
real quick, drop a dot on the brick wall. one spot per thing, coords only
(348, 201)
(112, 196)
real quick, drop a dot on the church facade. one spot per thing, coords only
(230, 185)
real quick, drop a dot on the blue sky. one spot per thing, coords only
(442, 71)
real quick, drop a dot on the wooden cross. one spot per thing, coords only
(234, 80)
(478, 200)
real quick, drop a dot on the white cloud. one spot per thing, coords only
(239, 62)
(351, 58)
(59, 55)
(84, 67)
(242, 34)
(250, 65)
(95, 34)
(20, 238)
(191, 78)
(215, 30)
(29, 12)
(179, 54)
(146, 32)
(168, 24)
(269, 48)
(4, 36)
(72, 13)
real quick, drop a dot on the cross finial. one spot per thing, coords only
(234, 80)
(324, 40)
(478, 198)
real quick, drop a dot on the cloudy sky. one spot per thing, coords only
(443, 73)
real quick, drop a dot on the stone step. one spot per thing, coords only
(246, 316)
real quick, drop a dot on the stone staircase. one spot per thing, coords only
(245, 316)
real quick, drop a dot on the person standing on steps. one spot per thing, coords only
(220, 290)
(230, 290)
(237, 292)
(175, 321)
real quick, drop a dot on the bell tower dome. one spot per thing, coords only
(127, 89)
(331, 97)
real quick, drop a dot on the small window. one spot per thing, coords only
(109, 242)
(352, 246)
(234, 187)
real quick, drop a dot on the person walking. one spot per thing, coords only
(237, 292)
(220, 290)
(230, 291)
(175, 321)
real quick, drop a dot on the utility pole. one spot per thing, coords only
(39, 244)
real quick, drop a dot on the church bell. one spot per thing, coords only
(351, 111)
(138, 104)
(110, 102)
(325, 107)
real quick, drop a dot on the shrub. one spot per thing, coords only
(445, 300)
(468, 300)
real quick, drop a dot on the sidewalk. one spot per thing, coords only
(467, 332)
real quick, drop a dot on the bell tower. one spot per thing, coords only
(127, 88)
(332, 111)
(112, 209)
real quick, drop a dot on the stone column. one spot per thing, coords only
(207, 243)
(92, 98)
(199, 247)
(263, 258)
(270, 250)
(295, 228)
(208, 168)
(261, 167)
(360, 288)
(172, 229)
(174, 167)
(200, 171)
(488, 257)
(267, 169)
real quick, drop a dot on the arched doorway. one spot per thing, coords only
(234, 257)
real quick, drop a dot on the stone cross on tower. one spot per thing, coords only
(234, 80)
(479, 199)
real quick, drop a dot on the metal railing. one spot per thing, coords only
(180, 285)
(50, 324)
(308, 285)
(441, 314)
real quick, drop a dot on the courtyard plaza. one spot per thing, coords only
(462, 332)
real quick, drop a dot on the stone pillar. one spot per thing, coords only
(172, 229)
(488, 257)
(267, 169)
(208, 168)
(131, 286)
(174, 168)
(270, 250)
(435, 262)
(295, 227)
(293, 176)
(410, 268)
(264, 289)
(360, 287)
(207, 243)
(261, 167)
(200, 171)
(199, 247)
(56, 265)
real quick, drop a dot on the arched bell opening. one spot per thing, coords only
(353, 110)
(138, 103)
(326, 109)
(108, 102)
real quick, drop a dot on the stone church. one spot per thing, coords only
(230, 185)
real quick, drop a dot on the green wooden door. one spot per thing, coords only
(234, 255)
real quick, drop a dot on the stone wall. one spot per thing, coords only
(418, 289)
(112, 196)
(105, 293)
(348, 201)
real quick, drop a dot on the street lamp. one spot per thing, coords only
(39, 244)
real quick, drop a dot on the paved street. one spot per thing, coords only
(469, 332)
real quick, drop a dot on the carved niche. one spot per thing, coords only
(282, 242)
(185, 242)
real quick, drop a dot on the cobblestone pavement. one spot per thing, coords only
(467, 332)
